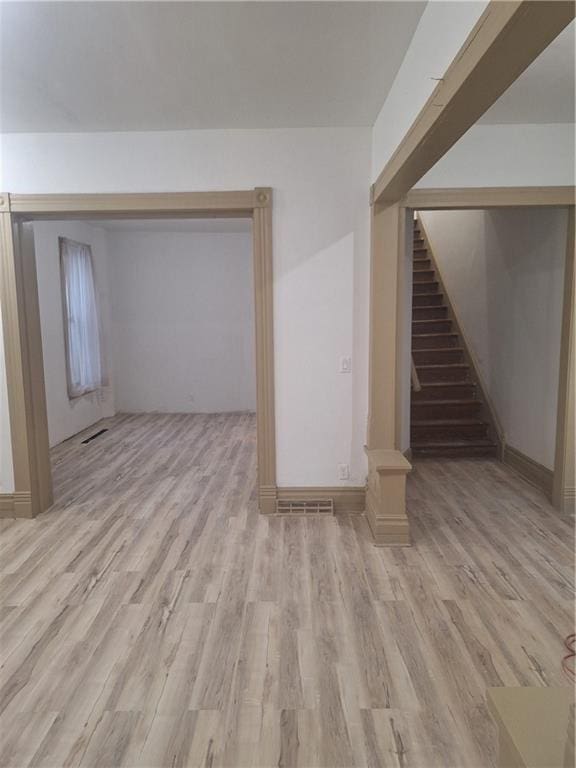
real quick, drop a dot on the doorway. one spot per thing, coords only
(548, 457)
(32, 491)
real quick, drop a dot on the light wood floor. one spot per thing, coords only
(153, 618)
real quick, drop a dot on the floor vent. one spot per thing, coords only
(94, 436)
(303, 507)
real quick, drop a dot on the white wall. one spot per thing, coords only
(67, 417)
(507, 156)
(504, 273)
(441, 32)
(6, 470)
(321, 212)
(183, 321)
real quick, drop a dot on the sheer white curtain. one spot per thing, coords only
(81, 323)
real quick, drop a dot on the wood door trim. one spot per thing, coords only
(22, 339)
(142, 204)
(15, 505)
(563, 486)
(454, 198)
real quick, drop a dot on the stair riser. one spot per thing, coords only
(429, 313)
(437, 356)
(430, 287)
(461, 391)
(424, 276)
(433, 342)
(421, 264)
(434, 326)
(443, 374)
(428, 410)
(449, 432)
(431, 300)
(454, 453)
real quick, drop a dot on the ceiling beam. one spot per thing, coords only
(504, 42)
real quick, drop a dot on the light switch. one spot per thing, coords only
(343, 472)
(345, 364)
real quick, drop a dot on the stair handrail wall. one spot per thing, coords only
(416, 386)
(494, 423)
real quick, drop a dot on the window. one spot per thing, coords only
(81, 326)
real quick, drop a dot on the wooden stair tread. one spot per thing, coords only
(451, 443)
(463, 401)
(441, 365)
(438, 333)
(438, 324)
(439, 349)
(447, 422)
(431, 384)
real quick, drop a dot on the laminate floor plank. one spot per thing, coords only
(153, 618)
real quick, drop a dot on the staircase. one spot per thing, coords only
(448, 415)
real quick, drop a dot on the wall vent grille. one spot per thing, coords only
(94, 436)
(305, 507)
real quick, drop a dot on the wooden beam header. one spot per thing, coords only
(194, 204)
(504, 42)
(431, 199)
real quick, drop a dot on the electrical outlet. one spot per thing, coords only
(345, 364)
(344, 471)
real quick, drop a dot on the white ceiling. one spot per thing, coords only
(102, 66)
(204, 226)
(544, 93)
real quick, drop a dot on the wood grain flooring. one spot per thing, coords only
(153, 618)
